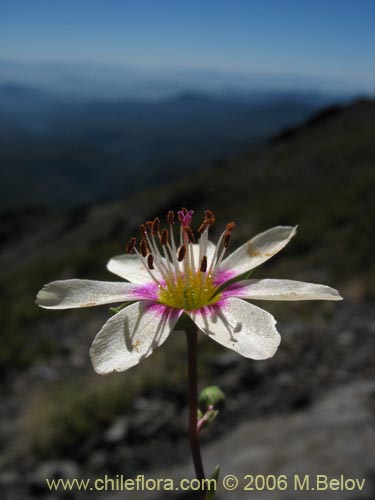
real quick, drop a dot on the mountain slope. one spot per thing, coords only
(320, 176)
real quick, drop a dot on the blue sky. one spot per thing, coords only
(322, 39)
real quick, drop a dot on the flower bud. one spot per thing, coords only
(211, 397)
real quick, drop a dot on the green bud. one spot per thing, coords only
(211, 397)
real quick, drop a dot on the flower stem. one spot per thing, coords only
(191, 337)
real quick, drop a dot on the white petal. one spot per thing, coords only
(268, 289)
(209, 252)
(240, 326)
(259, 249)
(131, 269)
(84, 293)
(131, 335)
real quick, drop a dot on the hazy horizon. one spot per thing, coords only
(111, 80)
(144, 48)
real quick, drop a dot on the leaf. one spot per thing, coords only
(215, 475)
(115, 310)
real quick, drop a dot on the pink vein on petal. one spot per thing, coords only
(146, 292)
(233, 290)
(162, 310)
(223, 276)
(211, 309)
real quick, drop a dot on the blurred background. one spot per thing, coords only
(112, 113)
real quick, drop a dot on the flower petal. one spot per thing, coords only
(268, 289)
(131, 269)
(131, 335)
(87, 293)
(259, 249)
(240, 326)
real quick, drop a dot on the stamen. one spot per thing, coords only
(187, 280)
(226, 239)
(181, 253)
(164, 237)
(203, 227)
(143, 231)
(209, 217)
(155, 226)
(150, 261)
(130, 246)
(189, 233)
(170, 217)
(147, 269)
(203, 267)
(143, 248)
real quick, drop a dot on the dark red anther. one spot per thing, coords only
(155, 226)
(202, 227)
(130, 246)
(209, 217)
(149, 224)
(226, 239)
(230, 226)
(150, 261)
(143, 231)
(203, 267)
(181, 253)
(164, 237)
(190, 234)
(143, 248)
(170, 217)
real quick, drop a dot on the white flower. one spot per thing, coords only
(166, 280)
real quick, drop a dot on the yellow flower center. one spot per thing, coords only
(184, 271)
(189, 292)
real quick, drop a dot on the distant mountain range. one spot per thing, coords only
(60, 150)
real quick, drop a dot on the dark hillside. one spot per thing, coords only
(320, 176)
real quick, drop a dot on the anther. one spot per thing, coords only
(226, 239)
(190, 234)
(130, 246)
(203, 267)
(150, 261)
(164, 237)
(143, 248)
(181, 253)
(149, 224)
(184, 210)
(143, 231)
(230, 226)
(155, 226)
(203, 227)
(170, 217)
(209, 217)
